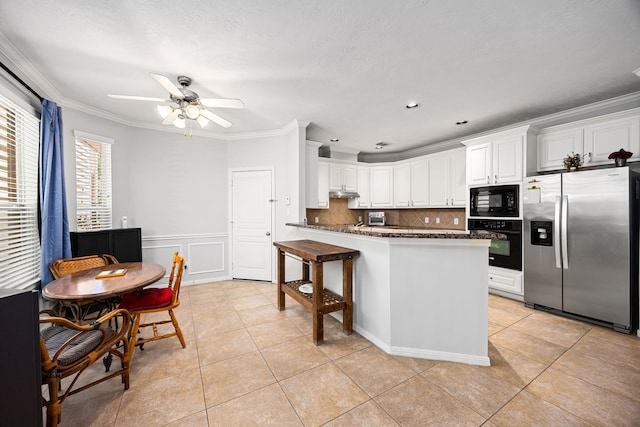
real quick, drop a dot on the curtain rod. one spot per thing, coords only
(19, 80)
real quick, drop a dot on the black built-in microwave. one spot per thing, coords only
(496, 200)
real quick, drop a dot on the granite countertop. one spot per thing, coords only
(397, 231)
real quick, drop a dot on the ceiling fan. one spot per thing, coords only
(189, 104)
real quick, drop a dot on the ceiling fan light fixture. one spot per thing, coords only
(180, 122)
(192, 111)
(164, 110)
(202, 121)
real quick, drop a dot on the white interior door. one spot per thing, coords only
(252, 245)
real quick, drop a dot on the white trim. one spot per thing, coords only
(93, 137)
(441, 355)
(373, 339)
(189, 245)
(185, 236)
(294, 124)
(27, 69)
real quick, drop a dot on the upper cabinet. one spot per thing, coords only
(593, 138)
(410, 182)
(497, 158)
(342, 177)
(447, 179)
(381, 186)
(323, 185)
(364, 201)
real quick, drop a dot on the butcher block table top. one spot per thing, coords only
(316, 251)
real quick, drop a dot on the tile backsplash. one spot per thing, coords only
(339, 213)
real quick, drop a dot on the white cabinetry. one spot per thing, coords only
(497, 158)
(381, 179)
(553, 147)
(410, 181)
(447, 179)
(593, 138)
(363, 180)
(502, 279)
(342, 177)
(323, 185)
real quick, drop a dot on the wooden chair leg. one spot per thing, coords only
(54, 408)
(133, 335)
(177, 328)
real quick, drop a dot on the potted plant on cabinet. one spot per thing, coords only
(620, 157)
(572, 162)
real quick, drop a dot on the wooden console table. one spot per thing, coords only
(321, 301)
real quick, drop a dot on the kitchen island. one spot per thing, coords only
(417, 292)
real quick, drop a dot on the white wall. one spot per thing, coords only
(176, 187)
(285, 154)
(172, 186)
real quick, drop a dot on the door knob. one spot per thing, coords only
(267, 234)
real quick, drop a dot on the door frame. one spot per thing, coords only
(230, 172)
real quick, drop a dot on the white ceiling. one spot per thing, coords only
(346, 67)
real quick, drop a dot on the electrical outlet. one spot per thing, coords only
(426, 220)
(359, 219)
(456, 221)
(317, 220)
(437, 220)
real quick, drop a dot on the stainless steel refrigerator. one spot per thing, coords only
(581, 245)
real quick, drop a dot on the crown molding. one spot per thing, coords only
(612, 105)
(28, 71)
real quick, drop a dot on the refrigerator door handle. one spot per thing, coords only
(556, 233)
(565, 244)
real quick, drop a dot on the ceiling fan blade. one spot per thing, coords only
(171, 117)
(215, 118)
(222, 102)
(167, 84)
(138, 98)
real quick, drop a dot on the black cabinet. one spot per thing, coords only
(123, 243)
(20, 356)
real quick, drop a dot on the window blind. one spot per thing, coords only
(93, 184)
(19, 237)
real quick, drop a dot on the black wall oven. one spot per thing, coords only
(494, 201)
(502, 253)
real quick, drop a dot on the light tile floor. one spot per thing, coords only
(247, 364)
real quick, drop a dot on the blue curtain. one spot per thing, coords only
(54, 232)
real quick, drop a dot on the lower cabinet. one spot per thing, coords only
(506, 280)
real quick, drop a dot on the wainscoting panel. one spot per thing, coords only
(204, 255)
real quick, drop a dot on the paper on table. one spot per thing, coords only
(111, 273)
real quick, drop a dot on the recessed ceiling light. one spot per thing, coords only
(412, 105)
(462, 122)
(334, 140)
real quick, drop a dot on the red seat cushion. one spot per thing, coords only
(147, 298)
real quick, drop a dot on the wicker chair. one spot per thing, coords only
(63, 267)
(155, 300)
(67, 349)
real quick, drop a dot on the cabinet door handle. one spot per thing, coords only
(495, 179)
(488, 180)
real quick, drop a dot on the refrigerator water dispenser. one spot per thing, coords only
(541, 233)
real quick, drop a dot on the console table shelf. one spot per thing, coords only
(321, 301)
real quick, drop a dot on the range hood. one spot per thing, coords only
(343, 194)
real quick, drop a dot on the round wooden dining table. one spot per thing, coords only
(84, 286)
